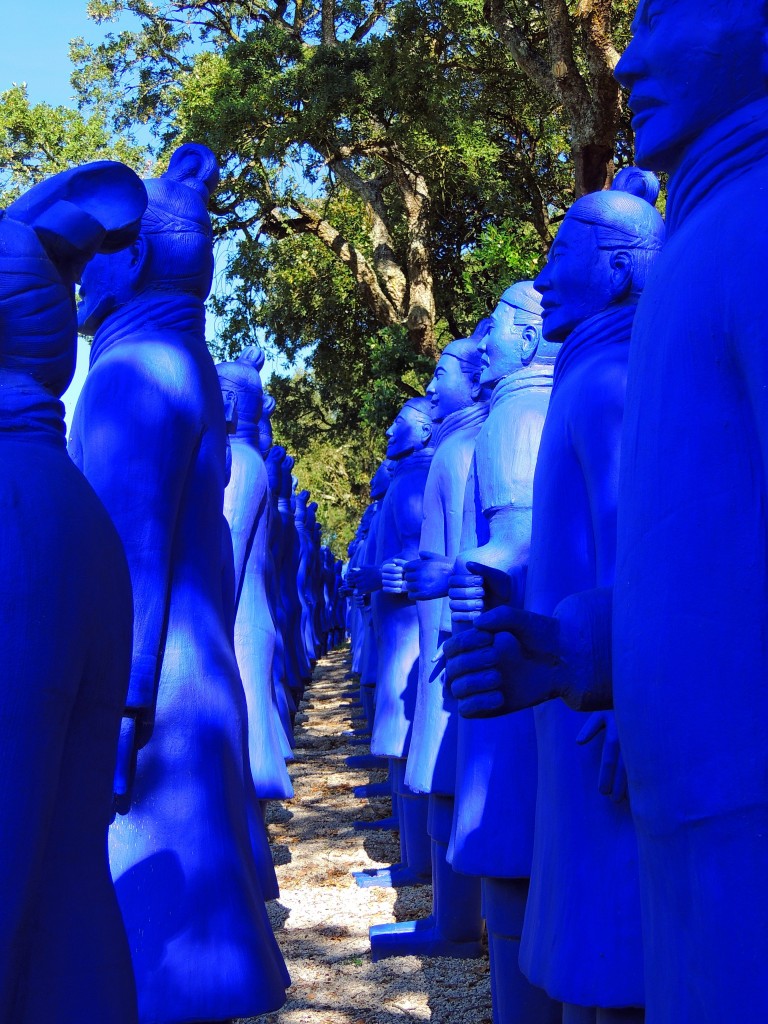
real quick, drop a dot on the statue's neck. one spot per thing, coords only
(29, 412)
(173, 314)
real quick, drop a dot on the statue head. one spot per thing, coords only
(456, 381)
(173, 252)
(411, 430)
(513, 338)
(602, 254)
(266, 434)
(47, 237)
(240, 381)
(381, 478)
(690, 64)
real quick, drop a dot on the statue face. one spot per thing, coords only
(407, 433)
(450, 389)
(576, 282)
(502, 346)
(690, 64)
(106, 284)
(230, 409)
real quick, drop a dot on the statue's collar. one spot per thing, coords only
(30, 412)
(148, 314)
(611, 327)
(419, 458)
(537, 375)
(724, 152)
(472, 415)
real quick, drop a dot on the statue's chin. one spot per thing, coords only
(89, 320)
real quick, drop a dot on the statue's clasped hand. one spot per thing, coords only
(427, 577)
(507, 662)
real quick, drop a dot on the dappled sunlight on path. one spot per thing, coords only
(321, 919)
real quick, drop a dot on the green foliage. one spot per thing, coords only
(37, 140)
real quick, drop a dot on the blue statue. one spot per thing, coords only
(396, 633)
(65, 623)
(458, 407)
(246, 506)
(496, 758)
(690, 631)
(581, 940)
(289, 575)
(285, 669)
(149, 434)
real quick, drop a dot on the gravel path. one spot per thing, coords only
(321, 919)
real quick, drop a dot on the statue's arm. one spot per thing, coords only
(138, 435)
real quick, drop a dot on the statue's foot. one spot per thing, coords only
(357, 732)
(371, 790)
(418, 938)
(393, 877)
(382, 824)
(368, 762)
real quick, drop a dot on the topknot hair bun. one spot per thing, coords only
(252, 355)
(643, 184)
(195, 165)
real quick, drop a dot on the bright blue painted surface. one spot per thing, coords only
(65, 620)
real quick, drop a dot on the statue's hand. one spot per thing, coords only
(427, 577)
(466, 595)
(393, 577)
(612, 781)
(507, 662)
(365, 578)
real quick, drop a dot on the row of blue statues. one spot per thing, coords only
(165, 595)
(560, 617)
(567, 544)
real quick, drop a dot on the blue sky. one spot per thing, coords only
(34, 46)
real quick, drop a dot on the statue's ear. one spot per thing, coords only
(530, 343)
(621, 274)
(475, 386)
(426, 432)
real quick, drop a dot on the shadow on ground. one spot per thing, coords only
(321, 919)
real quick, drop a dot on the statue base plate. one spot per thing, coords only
(390, 878)
(418, 938)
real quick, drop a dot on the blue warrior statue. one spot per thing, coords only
(458, 407)
(149, 434)
(581, 938)
(246, 506)
(496, 758)
(65, 623)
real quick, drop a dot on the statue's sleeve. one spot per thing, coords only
(138, 435)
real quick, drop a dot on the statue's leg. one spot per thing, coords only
(579, 1014)
(625, 1015)
(515, 999)
(415, 855)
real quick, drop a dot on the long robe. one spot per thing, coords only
(432, 757)
(65, 650)
(246, 508)
(581, 938)
(691, 594)
(149, 434)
